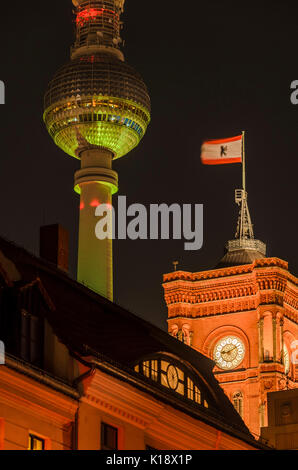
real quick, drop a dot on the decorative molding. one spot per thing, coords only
(230, 271)
(159, 421)
(24, 394)
(230, 290)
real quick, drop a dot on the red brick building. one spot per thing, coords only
(244, 316)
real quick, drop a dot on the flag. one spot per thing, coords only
(217, 152)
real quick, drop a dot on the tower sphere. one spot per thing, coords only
(97, 100)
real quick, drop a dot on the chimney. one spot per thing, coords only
(53, 245)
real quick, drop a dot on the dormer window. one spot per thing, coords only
(175, 377)
(31, 344)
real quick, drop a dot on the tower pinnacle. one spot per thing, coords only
(244, 249)
(98, 27)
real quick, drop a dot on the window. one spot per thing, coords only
(184, 335)
(181, 336)
(237, 400)
(109, 437)
(176, 379)
(190, 390)
(193, 392)
(35, 443)
(31, 338)
(150, 369)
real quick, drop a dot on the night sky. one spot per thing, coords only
(212, 69)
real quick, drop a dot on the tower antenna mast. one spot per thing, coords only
(244, 248)
(244, 226)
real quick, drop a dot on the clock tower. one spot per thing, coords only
(243, 314)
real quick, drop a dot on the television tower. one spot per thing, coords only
(97, 109)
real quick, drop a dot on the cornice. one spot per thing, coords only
(212, 308)
(41, 376)
(229, 290)
(230, 271)
(26, 395)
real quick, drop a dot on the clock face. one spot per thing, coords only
(229, 352)
(286, 359)
(172, 377)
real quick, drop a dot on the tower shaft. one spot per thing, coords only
(96, 182)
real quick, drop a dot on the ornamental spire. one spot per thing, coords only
(244, 248)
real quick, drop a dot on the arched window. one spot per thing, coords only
(268, 337)
(181, 336)
(184, 334)
(175, 377)
(286, 359)
(237, 401)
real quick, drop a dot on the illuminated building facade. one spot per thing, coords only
(242, 314)
(97, 109)
(70, 381)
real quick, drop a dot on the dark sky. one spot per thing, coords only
(212, 69)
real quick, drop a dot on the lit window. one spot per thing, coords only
(190, 389)
(150, 369)
(154, 370)
(181, 336)
(286, 359)
(109, 437)
(193, 392)
(169, 375)
(197, 395)
(146, 368)
(35, 443)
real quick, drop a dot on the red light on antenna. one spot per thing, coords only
(91, 14)
(82, 205)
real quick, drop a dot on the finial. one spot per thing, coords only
(175, 264)
(244, 226)
(244, 248)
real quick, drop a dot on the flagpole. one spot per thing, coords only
(243, 162)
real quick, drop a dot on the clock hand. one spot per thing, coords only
(228, 353)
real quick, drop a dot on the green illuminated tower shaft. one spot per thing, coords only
(97, 109)
(97, 181)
